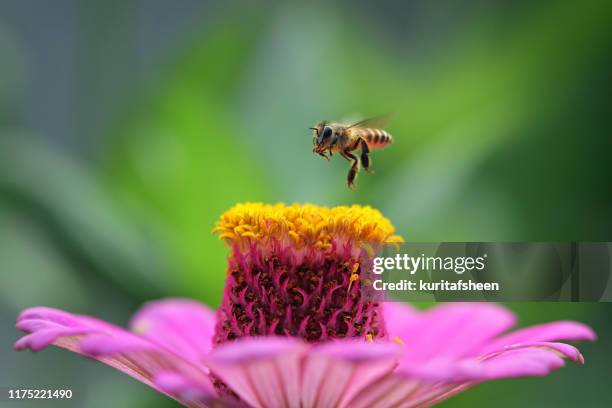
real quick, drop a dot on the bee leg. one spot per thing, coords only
(352, 174)
(365, 151)
(322, 154)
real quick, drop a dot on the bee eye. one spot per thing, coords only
(327, 132)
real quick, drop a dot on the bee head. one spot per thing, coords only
(321, 135)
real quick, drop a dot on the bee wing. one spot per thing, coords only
(375, 122)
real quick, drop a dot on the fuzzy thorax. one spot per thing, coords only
(294, 271)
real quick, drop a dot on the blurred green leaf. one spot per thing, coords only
(179, 159)
(59, 196)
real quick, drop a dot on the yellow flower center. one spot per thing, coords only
(304, 225)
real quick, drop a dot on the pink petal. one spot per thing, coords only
(286, 372)
(104, 342)
(351, 364)
(389, 391)
(426, 376)
(554, 331)
(563, 350)
(451, 330)
(533, 359)
(263, 371)
(439, 379)
(48, 316)
(184, 326)
(526, 362)
(184, 389)
(400, 318)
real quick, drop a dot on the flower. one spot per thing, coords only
(294, 331)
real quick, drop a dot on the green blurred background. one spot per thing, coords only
(127, 128)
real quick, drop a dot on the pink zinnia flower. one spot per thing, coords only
(294, 330)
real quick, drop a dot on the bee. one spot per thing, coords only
(335, 137)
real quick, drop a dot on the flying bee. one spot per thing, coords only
(335, 137)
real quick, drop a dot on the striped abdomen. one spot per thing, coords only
(376, 138)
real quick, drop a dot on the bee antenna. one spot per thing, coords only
(313, 128)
